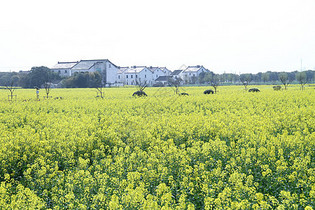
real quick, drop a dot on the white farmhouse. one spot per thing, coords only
(191, 73)
(135, 74)
(107, 69)
(158, 72)
(64, 68)
(114, 75)
(121, 79)
(166, 71)
(177, 74)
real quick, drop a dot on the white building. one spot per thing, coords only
(135, 74)
(114, 75)
(191, 73)
(177, 74)
(64, 68)
(107, 69)
(141, 74)
(158, 72)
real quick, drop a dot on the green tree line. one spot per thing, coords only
(38, 76)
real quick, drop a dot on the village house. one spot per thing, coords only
(107, 69)
(134, 75)
(117, 76)
(191, 73)
(163, 80)
(64, 68)
(177, 74)
(159, 71)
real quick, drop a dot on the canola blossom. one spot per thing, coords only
(230, 150)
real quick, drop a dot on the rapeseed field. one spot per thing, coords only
(230, 150)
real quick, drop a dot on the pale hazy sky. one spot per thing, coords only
(223, 35)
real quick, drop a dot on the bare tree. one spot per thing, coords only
(140, 86)
(11, 87)
(245, 79)
(99, 80)
(100, 92)
(47, 86)
(284, 78)
(215, 82)
(301, 78)
(176, 83)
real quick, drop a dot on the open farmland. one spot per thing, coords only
(233, 149)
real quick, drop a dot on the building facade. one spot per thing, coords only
(107, 69)
(113, 75)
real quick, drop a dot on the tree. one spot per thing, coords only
(215, 82)
(141, 85)
(245, 79)
(47, 86)
(265, 77)
(38, 76)
(8, 77)
(84, 80)
(97, 81)
(310, 76)
(194, 79)
(302, 79)
(284, 78)
(11, 87)
(175, 82)
(273, 76)
(208, 76)
(201, 78)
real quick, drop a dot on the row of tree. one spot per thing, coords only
(38, 76)
(259, 78)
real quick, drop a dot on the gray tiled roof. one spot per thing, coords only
(153, 69)
(87, 64)
(64, 65)
(134, 69)
(194, 68)
(122, 69)
(84, 65)
(164, 69)
(176, 72)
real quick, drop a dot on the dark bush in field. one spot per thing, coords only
(208, 92)
(254, 90)
(139, 93)
(184, 94)
(278, 87)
